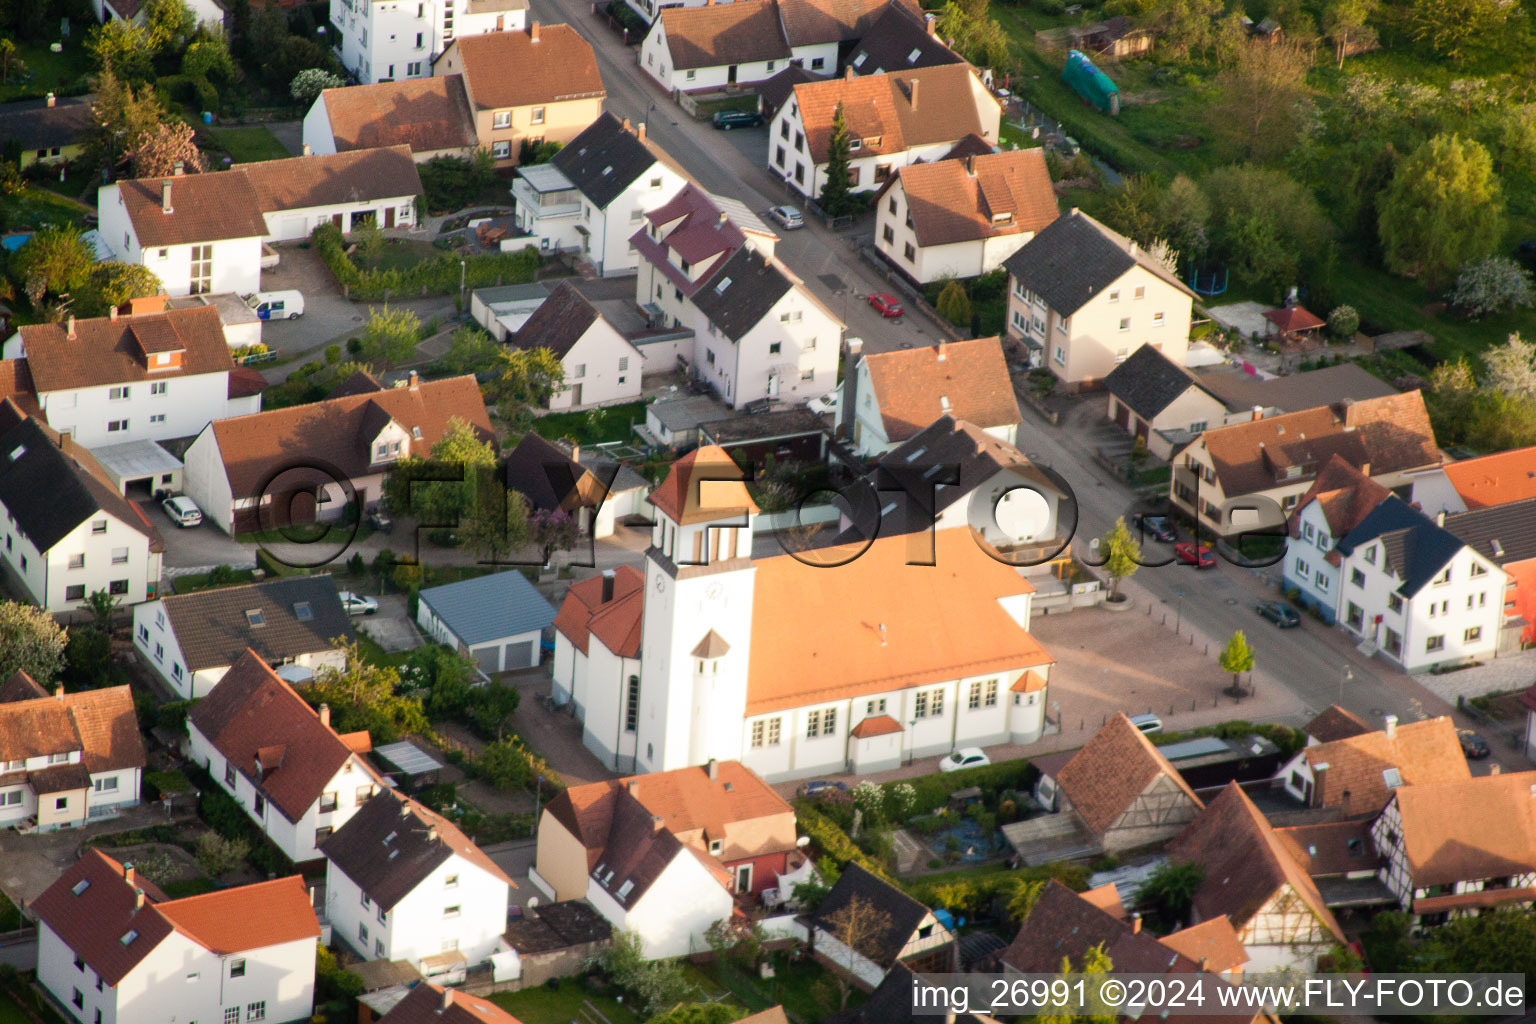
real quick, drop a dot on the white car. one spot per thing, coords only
(825, 405)
(182, 511)
(788, 216)
(358, 604)
(1147, 723)
(965, 757)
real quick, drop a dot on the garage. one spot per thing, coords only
(140, 470)
(498, 619)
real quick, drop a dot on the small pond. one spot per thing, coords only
(974, 847)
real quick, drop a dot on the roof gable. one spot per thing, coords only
(742, 291)
(967, 380)
(1343, 494)
(120, 350)
(1483, 827)
(543, 64)
(1149, 382)
(888, 114)
(359, 175)
(1355, 776)
(975, 197)
(296, 615)
(586, 612)
(713, 35)
(491, 607)
(203, 208)
(900, 40)
(559, 323)
(703, 485)
(605, 160)
(1075, 258)
(1111, 770)
(426, 114)
(903, 913)
(1495, 479)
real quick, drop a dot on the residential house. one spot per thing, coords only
(1458, 848)
(797, 433)
(430, 115)
(707, 263)
(894, 119)
(891, 396)
(1251, 476)
(192, 640)
(1245, 393)
(597, 646)
(1341, 860)
(902, 38)
(112, 945)
(47, 131)
(716, 46)
(497, 619)
(1357, 775)
(280, 759)
(1497, 479)
(1084, 298)
(1250, 877)
(664, 854)
(1112, 39)
(347, 189)
(1337, 502)
(820, 31)
(1416, 592)
(601, 366)
(591, 196)
(895, 929)
(963, 217)
(198, 233)
(541, 85)
(753, 659)
(1334, 723)
(554, 480)
(404, 883)
(208, 12)
(69, 532)
(1506, 536)
(66, 759)
(248, 473)
(116, 379)
(427, 1003)
(1116, 793)
(384, 42)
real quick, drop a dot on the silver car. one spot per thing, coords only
(787, 216)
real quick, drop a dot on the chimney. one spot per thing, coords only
(713, 768)
(1391, 727)
(415, 381)
(112, 312)
(626, 124)
(723, 218)
(533, 31)
(607, 585)
(306, 150)
(848, 73)
(931, 22)
(128, 872)
(912, 93)
(943, 350)
(178, 168)
(58, 691)
(138, 899)
(970, 165)
(51, 100)
(325, 714)
(882, 634)
(1494, 769)
(575, 453)
(1258, 413)
(640, 131)
(1074, 211)
(1205, 962)
(1365, 469)
(432, 834)
(633, 785)
(447, 999)
(165, 196)
(1440, 518)
(70, 327)
(1136, 922)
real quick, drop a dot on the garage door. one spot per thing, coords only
(292, 227)
(488, 658)
(519, 655)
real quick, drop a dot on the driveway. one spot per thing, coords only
(30, 864)
(390, 626)
(515, 858)
(196, 548)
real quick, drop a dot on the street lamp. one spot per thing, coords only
(1178, 615)
(463, 271)
(1344, 677)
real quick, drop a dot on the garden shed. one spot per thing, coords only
(1090, 83)
(497, 619)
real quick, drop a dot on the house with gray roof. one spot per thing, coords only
(498, 619)
(192, 640)
(1154, 398)
(50, 130)
(602, 367)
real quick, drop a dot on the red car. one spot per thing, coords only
(886, 304)
(1198, 555)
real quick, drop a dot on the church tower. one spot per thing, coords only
(697, 632)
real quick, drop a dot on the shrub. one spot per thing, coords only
(932, 791)
(437, 275)
(216, 854)
(1493, 284)
(1343, 322)
(831, 844)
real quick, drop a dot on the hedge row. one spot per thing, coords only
(1283, 736)
(933, 790)
(833, 849)
(436, 275)
(981, 894)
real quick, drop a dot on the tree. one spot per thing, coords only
(216, 854)
(1443, 208)
(1509, 131)
(1023, 896)
(529, 377)
(121, 49)
(390, 336)
(118, 114)
(362, 696)
(1262, 222)
(964, 24)
(1344, 21)
(737, 940)
(700, 1013)
(1169, 892)
(370, 242)
(159, 152)
(208, 57)
(308, 84)
(858, 926)
(655, 985)
(167, 23)
(1255, 113)
(87, 658)
(552, 529)
(112, 283)
(1343, 322)
(8, 57)
(1122, 556)
(455, 477)
(102, 606)
(1185, 25)
(954, 305)
(1237, 658)
(55, 261)
(836, 199)
(1448, 27)
(495, 520)
(1492, 285)
(1512, 368)
(30, 642)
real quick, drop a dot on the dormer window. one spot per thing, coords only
(720, 288)
(254, 617)
(714, 847)
(80, 886)
(626, 888)
(854, 145)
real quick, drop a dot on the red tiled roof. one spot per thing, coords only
(976, 197)
(1420, 752)
(881, 112)
(1345, 495)
(705, 484)
(913, 385)
(357, 176)
(1336, 723)
(108, 351)
(1212, 944)
(204, 208)
(1497, 479)
(616, 622)
(1111, 770)
(876, 725)
(429, 1004)
(513, 69)
(741, 32)
(426, 114)
(1482, 827)
(1293, 318)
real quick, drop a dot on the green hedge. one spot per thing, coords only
(831, 845)
(437, 275)
(977, 894)
(933, 790)
(1283, 736)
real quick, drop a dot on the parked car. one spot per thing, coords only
(725, 120)
(1198, 555)
(1147, 723)
(825, 405)
(1472, 745)
(1280, 613)
(270, 257)
(1157, 527)
(284, 305)
(965, 757)
(183, 511)
(787, 216)
(886, 304)
(820, 786)
(380, 521)
(358, 604)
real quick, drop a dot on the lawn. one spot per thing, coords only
(401, 253)
(199, 581)
(246, 145)
(35, 208)
(51, 72)
(803, 987)
(543, 1005)
(12, 1013)
(595, 426)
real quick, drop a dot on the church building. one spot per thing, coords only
(834, 659)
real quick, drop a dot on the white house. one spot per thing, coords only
(403, 883)
(591, 196)
(198, 233)
(207, 12)
(890, 396)
(911, 936)
(282, 762)
(68, 758)
(1470, 484)
(112, 949)
(1339, 499)
(964, 215)
(602, 367)
(497, 619)
(759, 659)
(380, 42)
(597, 637)
(148, 376)
(894, 120)
(69, 533)
(191, 640)
(1357, 775)
(430, 115)
(715, 46)
(299, 194)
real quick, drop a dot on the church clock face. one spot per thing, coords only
(715, 592)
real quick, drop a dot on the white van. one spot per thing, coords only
(284, 305)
